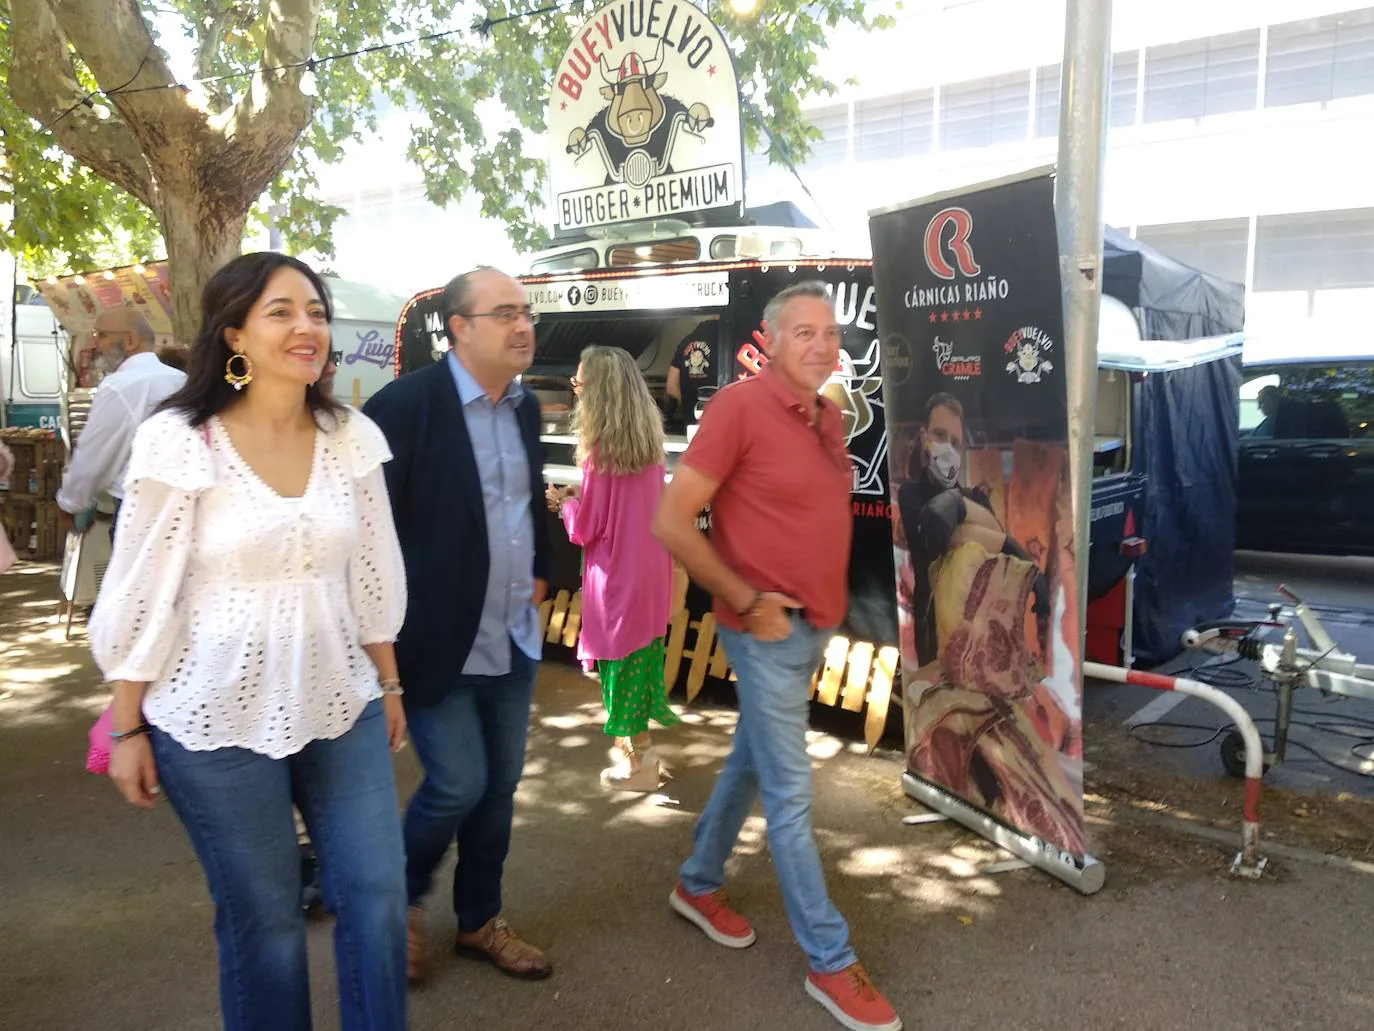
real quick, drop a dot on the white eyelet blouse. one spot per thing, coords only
(245, 611)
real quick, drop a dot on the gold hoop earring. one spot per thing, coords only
(238, 380)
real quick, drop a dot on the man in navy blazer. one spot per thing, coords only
(464, 482)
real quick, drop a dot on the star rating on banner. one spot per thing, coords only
(956, 315)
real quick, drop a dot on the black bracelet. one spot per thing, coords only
(116, 736)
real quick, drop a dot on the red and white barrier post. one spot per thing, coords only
(1248, 862)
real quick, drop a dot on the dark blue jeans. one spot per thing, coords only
(472, 746)
(236, 808)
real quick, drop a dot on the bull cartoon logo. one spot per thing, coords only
(637, 131)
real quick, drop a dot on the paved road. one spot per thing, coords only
(1332, 739)
(105, 922)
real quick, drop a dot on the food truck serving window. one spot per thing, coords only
(570, 262)
(659, 252)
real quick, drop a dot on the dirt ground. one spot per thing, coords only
(105, 920)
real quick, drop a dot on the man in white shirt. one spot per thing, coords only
(136, 383)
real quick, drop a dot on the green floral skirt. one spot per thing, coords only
(633, 691)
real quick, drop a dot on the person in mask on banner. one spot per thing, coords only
(938, 514)
(135, 383)
(770, 461)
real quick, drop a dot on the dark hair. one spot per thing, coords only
(229, 296)
(943, 400)
(940, 399)
(458, 297)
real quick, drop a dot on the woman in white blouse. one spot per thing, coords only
(245, 624)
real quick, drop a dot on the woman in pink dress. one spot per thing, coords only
(627, 575)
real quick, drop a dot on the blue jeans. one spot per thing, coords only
(769, 758)
(236, 808)
(472, 746)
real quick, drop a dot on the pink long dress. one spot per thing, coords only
(627, 579)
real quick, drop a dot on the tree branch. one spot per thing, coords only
(43, 84)
(209, 35)
(112, 38)
(262, 129)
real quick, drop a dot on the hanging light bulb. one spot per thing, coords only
(139, 270)
(309, 86)
(744, 8)
(109, 274)
(51, 280)
(101, 111)
(80, 280)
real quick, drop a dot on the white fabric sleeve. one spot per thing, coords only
(376, 573)
(132, 628)
(99, 453)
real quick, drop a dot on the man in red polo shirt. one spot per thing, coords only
(769, 458)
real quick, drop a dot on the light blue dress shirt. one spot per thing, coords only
(508, 614)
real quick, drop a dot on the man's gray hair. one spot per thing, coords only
(807, 288)
(143, 331)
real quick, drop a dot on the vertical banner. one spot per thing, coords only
(971, 317)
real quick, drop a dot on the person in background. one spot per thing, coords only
(1268, 401)
(693, 368)
(245, 624)
(135, 383)
(7, 555)
(464, 489)
(627, 575)
(770, 460)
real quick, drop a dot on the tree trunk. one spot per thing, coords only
(201, 237)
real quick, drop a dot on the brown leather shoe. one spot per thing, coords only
(498, 944)
(415, 944)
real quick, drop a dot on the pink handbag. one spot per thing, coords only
(98, 754)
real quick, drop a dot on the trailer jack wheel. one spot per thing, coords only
(1233, 755)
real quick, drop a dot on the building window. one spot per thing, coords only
(1217, 247)
(1320, 59)
(1315, 250)
(1202, 77)
(1125, 67)
(833, 146)
(985, 111)
(894, 126)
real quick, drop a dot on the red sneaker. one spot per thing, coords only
(852, 1000)
(712, 913)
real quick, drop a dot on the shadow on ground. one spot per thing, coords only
(106, 922)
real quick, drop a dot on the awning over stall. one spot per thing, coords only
(1171, 300)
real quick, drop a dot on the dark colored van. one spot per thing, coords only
(1307, 455)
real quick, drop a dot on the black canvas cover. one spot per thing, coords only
(1187, 443)
(1171, 300)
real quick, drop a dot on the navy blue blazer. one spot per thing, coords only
(436, 500)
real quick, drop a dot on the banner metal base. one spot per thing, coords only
(1087, 880)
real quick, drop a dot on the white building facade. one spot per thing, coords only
(1239, 139)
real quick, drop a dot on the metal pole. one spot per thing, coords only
(1078, 211)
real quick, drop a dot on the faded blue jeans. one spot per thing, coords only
(769, 759)
(472, 746)
(236, 808)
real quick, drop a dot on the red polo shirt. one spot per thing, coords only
(781, 518)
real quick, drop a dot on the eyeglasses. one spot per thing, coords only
(506, 316)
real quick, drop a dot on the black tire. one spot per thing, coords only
(1233, 755)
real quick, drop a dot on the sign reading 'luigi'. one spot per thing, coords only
(644, 117)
